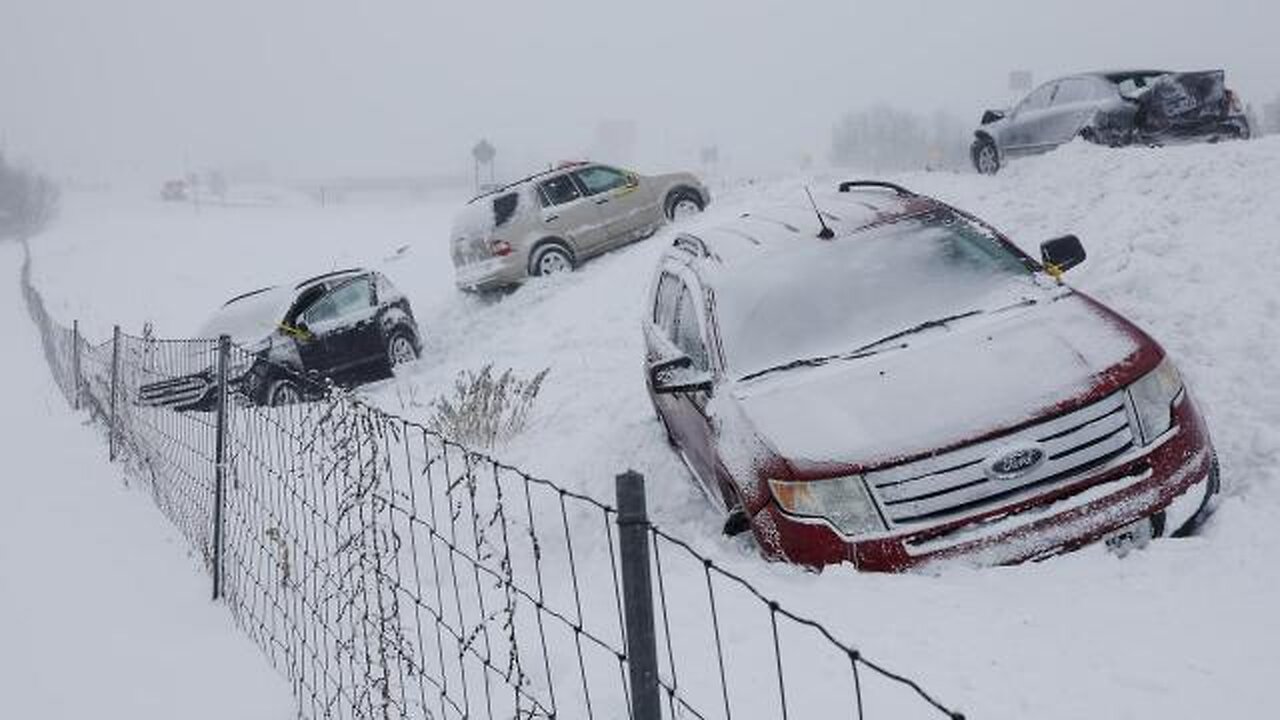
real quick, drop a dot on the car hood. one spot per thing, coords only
(948, 386)
(251, 318)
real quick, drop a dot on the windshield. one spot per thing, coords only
(1135, 85)
(249, 318)
(832, 297)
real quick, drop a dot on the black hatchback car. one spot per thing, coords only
(349, 326)
(1146, 107)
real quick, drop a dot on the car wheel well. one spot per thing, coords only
(981, 139)
(549, 241)
(676, 194)
(275, 380)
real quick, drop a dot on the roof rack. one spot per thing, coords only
(849, 184)
(251, 293)
(556, 168)
(335, 273)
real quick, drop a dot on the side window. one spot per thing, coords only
(504, 208)
(1039, 99)
(597, 179)
(1074, 90)
(687, 335)
(664, 305)
(558, 190)
(348, 299)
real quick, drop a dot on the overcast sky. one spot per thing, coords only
(100, 88)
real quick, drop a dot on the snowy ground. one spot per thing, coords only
(103, 612)
(1181, 240)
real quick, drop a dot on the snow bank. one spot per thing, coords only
(1181, 240)
(103, 612)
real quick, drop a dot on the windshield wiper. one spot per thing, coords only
(863, 350)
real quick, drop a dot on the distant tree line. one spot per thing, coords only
(887, 139)
(28, 200)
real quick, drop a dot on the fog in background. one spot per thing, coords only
(102, 89)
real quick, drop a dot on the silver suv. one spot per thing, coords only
(552, 221)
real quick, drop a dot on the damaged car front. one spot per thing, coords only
(259, 343)
(1145, 107)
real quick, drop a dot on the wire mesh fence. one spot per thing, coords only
(388, 572)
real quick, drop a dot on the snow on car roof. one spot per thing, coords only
(1116, 76)
(795, 225)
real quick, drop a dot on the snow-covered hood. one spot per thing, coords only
(250, 319)
(948, 386)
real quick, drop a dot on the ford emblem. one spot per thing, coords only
(1014, 462)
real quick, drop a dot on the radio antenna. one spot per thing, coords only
(826, 233)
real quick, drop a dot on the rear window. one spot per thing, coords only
(504, 208)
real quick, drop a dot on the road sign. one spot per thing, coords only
(1020, 80)
(483, 152)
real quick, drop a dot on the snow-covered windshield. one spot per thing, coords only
(827, 298)
(250, 318)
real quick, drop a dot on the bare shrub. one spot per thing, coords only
(28, 201)
(485, 409)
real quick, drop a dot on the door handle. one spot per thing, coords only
(602, 201)
(550, 218)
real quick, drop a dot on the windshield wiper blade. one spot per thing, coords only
(864, 350)
(803, 362)
(926, 325)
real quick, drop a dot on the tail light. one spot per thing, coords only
(500, 248)
(1233, 102)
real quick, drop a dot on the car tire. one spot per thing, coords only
(400, 348)
(1206, 507)
(550, 259)
(985, 156)
(282, 391)
(683, 203)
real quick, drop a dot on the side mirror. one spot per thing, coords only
(677, 375)
(633, 180)
(1061, 254)
(991, 116)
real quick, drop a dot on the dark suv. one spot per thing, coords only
(898, 383)
(348, 326)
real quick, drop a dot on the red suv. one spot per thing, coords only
(882, 379)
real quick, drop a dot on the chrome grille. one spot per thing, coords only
(176, 391)
(957, 481)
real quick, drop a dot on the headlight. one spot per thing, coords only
(843, 502)
(1153, 398)
(238, 363)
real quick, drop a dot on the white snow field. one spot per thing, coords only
(1182, 240)
(103, 611)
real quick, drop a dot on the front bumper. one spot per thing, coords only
(1140, 484)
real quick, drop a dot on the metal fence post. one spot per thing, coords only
(637, 596)
(115, 383)
(220, 461)
(75, 364)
